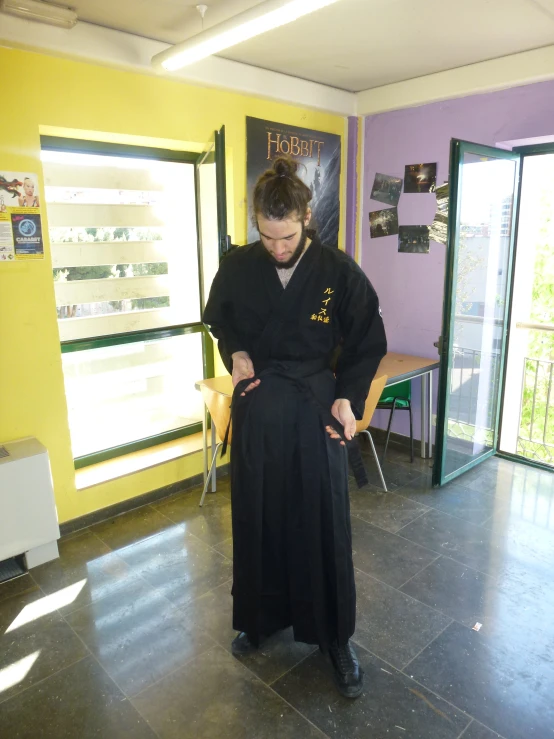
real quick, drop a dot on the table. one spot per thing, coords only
(398, 368)
(401, 367)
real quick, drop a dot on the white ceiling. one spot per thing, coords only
(354, 44)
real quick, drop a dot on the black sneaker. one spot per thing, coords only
(241, 645)
(349, 676)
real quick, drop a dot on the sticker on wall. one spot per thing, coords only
(20, 221)
(438, 230)
(386, 189)
(413, 239)
(420, 178)
(319, 157)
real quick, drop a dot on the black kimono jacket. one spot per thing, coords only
(329, 305)
(292, 553)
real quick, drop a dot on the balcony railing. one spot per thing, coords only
(536, 427)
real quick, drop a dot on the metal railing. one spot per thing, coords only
(536, 426)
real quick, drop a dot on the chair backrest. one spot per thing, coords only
(402, 390)
(375, 391)
(219, 406)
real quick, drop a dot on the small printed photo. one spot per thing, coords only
(386, 189)
(383, 222)
(420, 178)
(413, 239)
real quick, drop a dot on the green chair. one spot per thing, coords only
(397, 397)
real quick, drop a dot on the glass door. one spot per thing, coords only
(484, 184)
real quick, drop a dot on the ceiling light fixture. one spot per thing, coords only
(36, 10)
(263, 17)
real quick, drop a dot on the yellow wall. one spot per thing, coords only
(39, 92)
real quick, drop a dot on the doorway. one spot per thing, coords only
(527, 428)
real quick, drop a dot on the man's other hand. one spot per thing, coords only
(243, 369)
(342, 411)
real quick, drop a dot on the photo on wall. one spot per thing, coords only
(438, 231)
(383, 223)
(413, 239)
(386, 189)
(420, 178)
(319, 158)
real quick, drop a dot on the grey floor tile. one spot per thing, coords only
(477, 731)
(454, 589)
(178, 564)
(225, 547)
(504, 479)
(490, 550)
(213, 613)
(400, 455)
(35, 642)
(392, 625)
(216, 696)
(471, 505)
(86, 571)
(471, 597)
(391, 705)
(396, 475)
(505, 688)
(138, 636)
(386, 510)
(80, 702)
(130, 527)
(211, 523)
(16, 586)
(386, 556)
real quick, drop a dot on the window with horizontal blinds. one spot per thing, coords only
(123, 241)
(125, 259)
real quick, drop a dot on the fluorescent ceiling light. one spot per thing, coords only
(263, 17)
(36, 10)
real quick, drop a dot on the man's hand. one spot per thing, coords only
(342, 411)
(243, 369)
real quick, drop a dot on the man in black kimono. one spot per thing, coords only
(280, 308)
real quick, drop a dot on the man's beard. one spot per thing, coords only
(297, 253)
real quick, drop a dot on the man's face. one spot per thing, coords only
(282, 239)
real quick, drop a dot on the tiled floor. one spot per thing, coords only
(128, 634)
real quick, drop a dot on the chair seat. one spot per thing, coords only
(386, 403)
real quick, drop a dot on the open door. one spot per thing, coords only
(211, 216)
(211, 210)
(484, 191)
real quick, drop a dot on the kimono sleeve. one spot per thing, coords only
(218, 314)
(364, 342)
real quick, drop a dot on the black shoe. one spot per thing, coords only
(349, 676)
(241, 645)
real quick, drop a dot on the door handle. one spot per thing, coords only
(439, 344)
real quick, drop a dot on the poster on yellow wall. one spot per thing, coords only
(20, 221)
(319, 156)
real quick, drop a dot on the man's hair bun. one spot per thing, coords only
(285, 167)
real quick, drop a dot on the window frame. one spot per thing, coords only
(79, 146)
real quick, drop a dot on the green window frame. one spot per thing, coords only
(77, 146)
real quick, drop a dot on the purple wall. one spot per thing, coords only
(410, 286)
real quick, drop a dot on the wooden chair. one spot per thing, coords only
(219, 407)
(375, 391)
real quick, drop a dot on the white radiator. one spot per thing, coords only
(28, 518)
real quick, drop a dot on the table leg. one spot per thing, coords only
(214, 443)
(205, 442)
(430, 414)
(423, 415)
